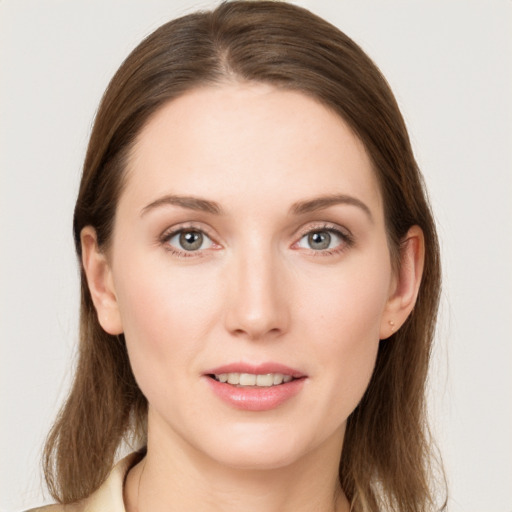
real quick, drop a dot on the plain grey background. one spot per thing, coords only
(450, 66)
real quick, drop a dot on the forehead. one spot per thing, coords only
(249, 141)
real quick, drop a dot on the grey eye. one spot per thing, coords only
(321, 240)
(190, 240)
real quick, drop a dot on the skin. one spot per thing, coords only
(256, 291)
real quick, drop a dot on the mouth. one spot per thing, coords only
(255, 387)
(260, 380)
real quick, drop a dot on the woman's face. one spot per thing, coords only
(250, 240)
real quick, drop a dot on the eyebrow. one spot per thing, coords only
(322, 202)
(298, 208)
(188, 202)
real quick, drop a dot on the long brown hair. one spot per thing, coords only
(387, 455)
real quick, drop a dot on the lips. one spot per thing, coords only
(255, 387)
(251, 379)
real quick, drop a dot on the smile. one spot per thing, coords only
(250, 379)
(255, 387)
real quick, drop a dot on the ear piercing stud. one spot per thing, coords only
(392, 324)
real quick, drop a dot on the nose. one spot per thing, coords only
(258, 304)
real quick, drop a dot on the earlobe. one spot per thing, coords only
(406, 284)
(99, 279)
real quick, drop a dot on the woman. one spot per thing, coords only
(260, 279)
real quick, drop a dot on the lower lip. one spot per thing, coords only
(256, 398)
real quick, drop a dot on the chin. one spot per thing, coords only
(259, 447)
(257, 459)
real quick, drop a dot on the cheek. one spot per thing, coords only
(345, 318)
(165, 315)
(348, 302)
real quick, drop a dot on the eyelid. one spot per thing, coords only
(324, 226)
(342, 232)
(172, 231)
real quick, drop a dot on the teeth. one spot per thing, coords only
(249, 379)
(264, 380)
(233, 378)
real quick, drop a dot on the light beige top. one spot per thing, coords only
(108, 498)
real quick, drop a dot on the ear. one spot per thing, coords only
(99, 279)
(406, 283)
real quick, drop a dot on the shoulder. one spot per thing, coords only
(74, 507)
(47, 508)
(108, 497)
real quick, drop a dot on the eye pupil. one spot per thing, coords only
(191, 240)
(319, 240)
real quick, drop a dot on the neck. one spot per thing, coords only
(174, 477)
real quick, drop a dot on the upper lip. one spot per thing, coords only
(256, 369)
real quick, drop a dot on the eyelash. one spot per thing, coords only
(345, 236)
(171, 233)
(347, 240)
